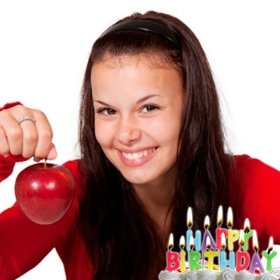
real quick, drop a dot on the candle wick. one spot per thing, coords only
(269, 250)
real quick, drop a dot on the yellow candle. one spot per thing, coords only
(182, 254)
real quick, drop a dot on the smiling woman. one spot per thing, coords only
(152, 144)
(138, 102)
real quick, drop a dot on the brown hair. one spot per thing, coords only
(120, 237)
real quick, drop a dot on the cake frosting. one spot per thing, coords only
(227, 274)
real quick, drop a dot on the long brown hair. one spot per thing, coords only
(120, 237)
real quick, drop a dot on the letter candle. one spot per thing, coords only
(256, 264)
(172, 258)
(242, 257)
(233, 235)
(206, 234)
(248, 233)
(224, 262)
(219, 229)
(194, 257)
(269, 255)
(209, 254)
(182, 254)
(189, 234)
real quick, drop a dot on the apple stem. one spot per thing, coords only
(45, 163)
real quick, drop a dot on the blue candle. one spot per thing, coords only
(225, 262)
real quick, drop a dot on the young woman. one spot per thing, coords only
(152, 144)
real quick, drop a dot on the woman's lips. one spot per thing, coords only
(134, 159)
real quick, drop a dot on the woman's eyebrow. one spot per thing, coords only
(139, 101)
(101, 102)
(147, 97)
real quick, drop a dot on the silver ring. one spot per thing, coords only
(26, 118)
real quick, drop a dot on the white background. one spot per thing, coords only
(44, 46)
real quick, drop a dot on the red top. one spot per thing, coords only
(23, 244)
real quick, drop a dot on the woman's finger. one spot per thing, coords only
(45, 135)
(4, 146)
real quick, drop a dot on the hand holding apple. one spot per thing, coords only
(44, 192)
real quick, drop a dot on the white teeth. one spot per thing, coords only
(138, 155)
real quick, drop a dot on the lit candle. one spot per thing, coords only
(194, 257)
(242, 257)
(189, 234)
(172, 258)
(256, 261)
(229, 218)
(219, 229)
(248, 233)
(223, 242)
(182, 254)
(269, 255)
(220, 216)
(224, 262)
(208, 234)
(233, 235)
(209, 254)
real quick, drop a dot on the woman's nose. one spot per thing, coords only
(128, 132)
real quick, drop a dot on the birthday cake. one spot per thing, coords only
(227, 274)
(202, 257)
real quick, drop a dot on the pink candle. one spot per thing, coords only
(172, 258)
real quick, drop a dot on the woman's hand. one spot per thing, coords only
(26, 132)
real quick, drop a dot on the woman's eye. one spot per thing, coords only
(106, 111)
(149, 108)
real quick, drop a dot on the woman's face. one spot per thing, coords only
(138, 105)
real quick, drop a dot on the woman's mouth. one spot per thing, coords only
(138, 158)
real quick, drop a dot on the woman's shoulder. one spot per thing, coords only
(75, 167)
(252, 170)
(255, 194)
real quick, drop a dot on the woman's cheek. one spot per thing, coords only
(103, 133)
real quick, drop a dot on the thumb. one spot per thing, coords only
(52, 153)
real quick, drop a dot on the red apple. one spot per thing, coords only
(44, 192)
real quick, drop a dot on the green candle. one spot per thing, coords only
(248, 233)
(269, 254)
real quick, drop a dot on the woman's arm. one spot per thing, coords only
(23, 244)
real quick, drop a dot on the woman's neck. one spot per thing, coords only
(157, 199)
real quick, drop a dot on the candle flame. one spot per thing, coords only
(255, 241)
(241, 238)
(189, 218)
(208, 243)
(192, 247)
(246, 225)
(270, 244)
(182, 241)
(220, 216)
(229, 218)
(171, 241)
(223, 241)
(206, 222)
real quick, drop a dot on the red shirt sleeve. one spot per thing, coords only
(10, 105)
(256, 195)
(7, 163)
